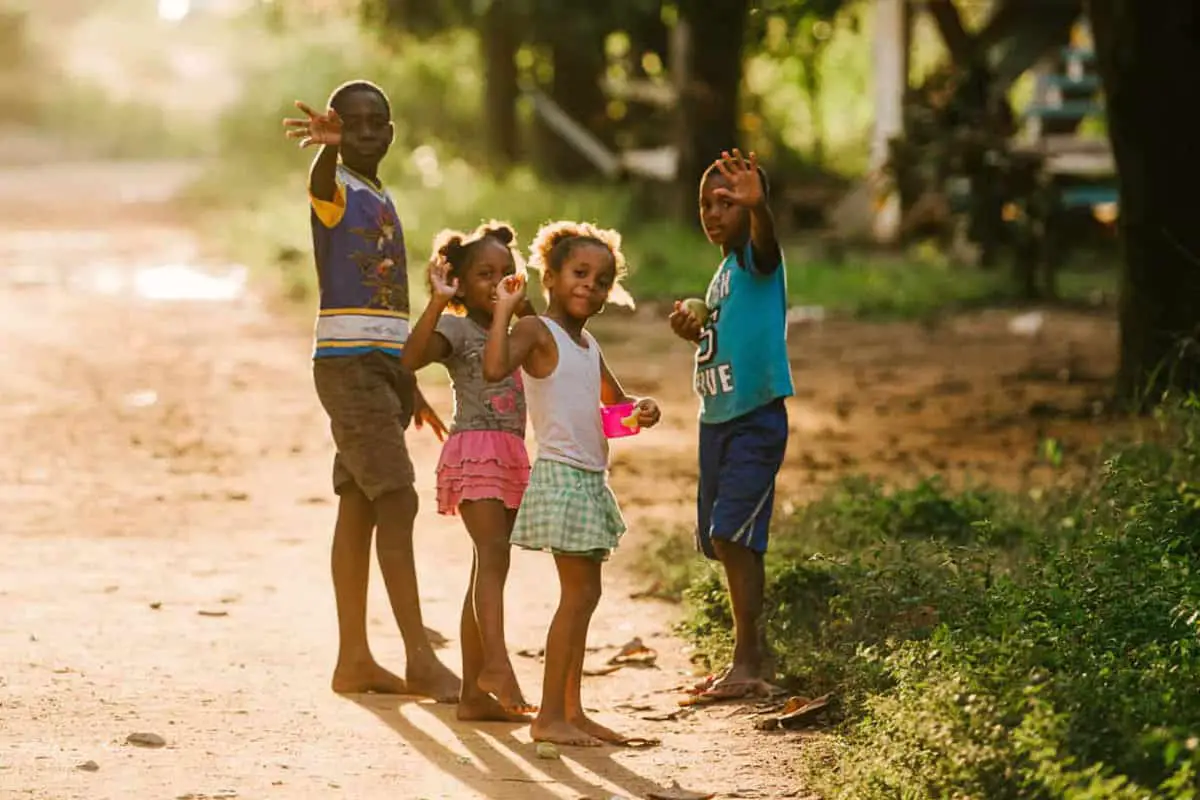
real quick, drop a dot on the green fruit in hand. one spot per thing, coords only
(697, 308)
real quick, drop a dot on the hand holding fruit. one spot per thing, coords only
(688, 319)
(646, 414)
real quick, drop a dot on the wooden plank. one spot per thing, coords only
(659, 163)
(574, 134)
(651, 93)
(1070, 109)
(1093, 164)
(1059, 144)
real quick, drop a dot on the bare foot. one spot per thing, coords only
(563, 733)
(736, 675)
(593, 728)
(431, 678)
(502, 684)
(484, 708)
(366, 678)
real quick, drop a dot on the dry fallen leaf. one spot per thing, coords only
(605, 670)
(795, 704)
(634, 652)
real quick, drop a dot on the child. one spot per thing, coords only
(484, 468)
(369, 396)
(568, 508)
(742, 377)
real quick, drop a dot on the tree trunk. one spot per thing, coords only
(498, 38)
(579, 62)
(954, 34)
(711, 98)
(1149, 55)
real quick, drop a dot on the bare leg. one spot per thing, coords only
(574, 703)
(746, 576)
(356, 670)
(579, 587)
(395, 513)
(474, 704)
(490, 525)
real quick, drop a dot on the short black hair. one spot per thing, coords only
(350, 87)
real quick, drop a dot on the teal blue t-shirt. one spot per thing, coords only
(742, 361)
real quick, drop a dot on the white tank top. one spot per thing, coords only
(564, 408)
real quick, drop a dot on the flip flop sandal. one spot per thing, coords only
(703, 686)
(740, 690)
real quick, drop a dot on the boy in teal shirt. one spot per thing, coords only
(742, 376)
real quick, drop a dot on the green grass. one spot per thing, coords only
(990, 645)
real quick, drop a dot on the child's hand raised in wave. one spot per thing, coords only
(743, 181)
(510, 294)
(318, 129)
(444, 287)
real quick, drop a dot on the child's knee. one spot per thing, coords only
(493, 554)
(399, 504)
(582, 598)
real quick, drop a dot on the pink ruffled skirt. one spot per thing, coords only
(481, 465)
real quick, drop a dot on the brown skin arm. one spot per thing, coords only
(612, 394)
(425, 345)
(768, 256)
(527, 345)
(526, 309)
(322, 176)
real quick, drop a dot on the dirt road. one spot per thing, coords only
(166, 519)
(166, 526)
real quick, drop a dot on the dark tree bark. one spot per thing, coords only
(1149, 56)
(499, 40)
(710, 101)
(950, 25)
(578, 57)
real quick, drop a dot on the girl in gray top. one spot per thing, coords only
(484, 467)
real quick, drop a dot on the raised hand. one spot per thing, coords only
(317, 129)
(510, 293)
(743, 182)
(444, 287)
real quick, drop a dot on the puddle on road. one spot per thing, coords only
(166, 282)
(160, 264)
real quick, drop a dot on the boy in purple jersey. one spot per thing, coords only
(368, 394)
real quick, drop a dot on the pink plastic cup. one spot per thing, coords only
(611, 416)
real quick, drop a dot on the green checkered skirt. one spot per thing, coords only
(568, 510)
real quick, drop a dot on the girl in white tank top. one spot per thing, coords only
(568, 509)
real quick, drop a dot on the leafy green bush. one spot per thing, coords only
(998, 647)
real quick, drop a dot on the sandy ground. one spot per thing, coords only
(164, 478)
